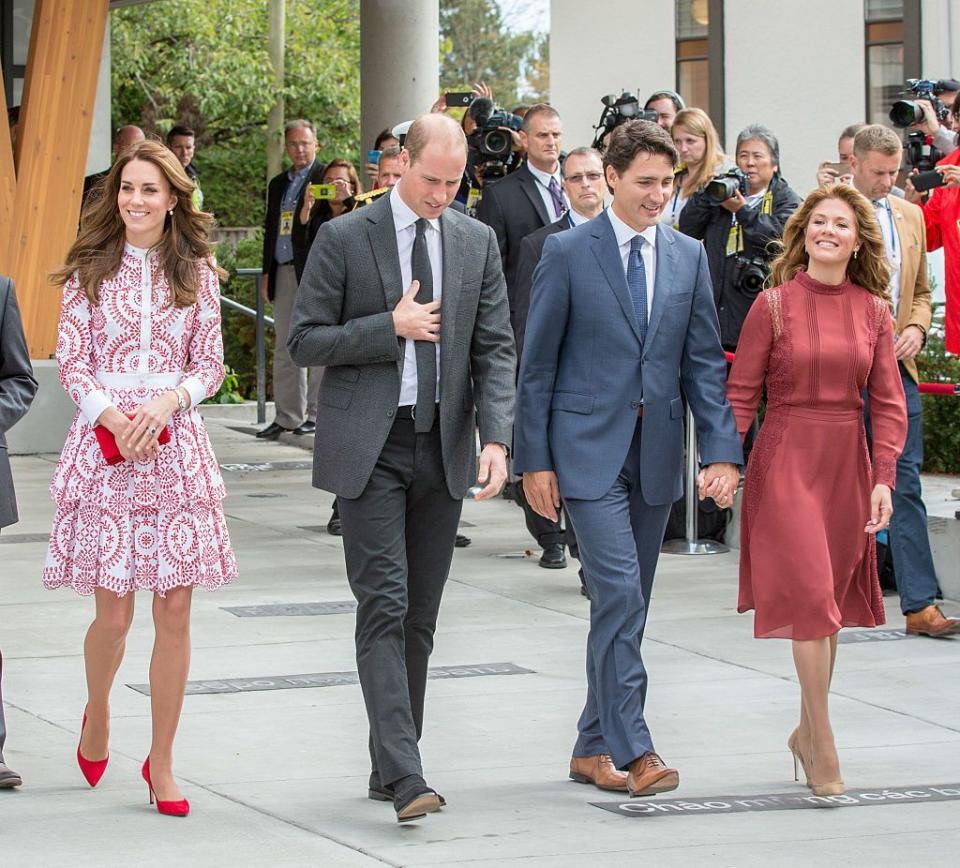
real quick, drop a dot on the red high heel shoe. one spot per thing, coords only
(92, 769)
(174, 809)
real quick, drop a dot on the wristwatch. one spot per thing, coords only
(181, 401)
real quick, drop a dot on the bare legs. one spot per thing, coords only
(814, 661)
(103, 652)
(168, 680)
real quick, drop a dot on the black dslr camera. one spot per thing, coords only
(726, 185)
(618, 110)
(490, 145)
(919, 152)
(751, 273)
(906, 112)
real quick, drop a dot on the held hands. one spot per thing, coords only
(417, 322)
(720, 482)
(881, 509)
(492, 472)
(139, 440)
(734, 203)
(909, 342)
(542, 491)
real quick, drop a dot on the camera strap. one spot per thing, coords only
(735, 237)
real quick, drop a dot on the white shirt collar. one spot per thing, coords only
(576, 218)
(625, 234)
(403, 215)
(544, 177)
(882, 203)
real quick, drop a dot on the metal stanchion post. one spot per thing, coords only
(691, 545)
(261, 357)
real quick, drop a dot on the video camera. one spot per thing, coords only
(618, 110)
(726, 185)
(919, 152)
(906, 112)
(490, 144)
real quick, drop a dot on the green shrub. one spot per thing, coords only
(941, 413)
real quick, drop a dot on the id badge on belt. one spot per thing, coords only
(286, 222)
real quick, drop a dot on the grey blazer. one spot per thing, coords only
(343, 321)
(17, 388)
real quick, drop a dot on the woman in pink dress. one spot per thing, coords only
(812, 499)
(139, 346)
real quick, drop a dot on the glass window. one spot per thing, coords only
(884, 80)
(883, 10)
(22, 21)
(693, 18)
(693, 80)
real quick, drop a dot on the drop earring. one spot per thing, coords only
(855, 252)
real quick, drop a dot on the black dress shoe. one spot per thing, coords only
(583, 585)
(553, 557)
(272, 431)
(334, 527)
(462, 541)
(307, 427)
(415, 801)
(8, 777)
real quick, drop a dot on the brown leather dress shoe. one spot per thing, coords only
(931, 622)
(598, 770)
(649, 775)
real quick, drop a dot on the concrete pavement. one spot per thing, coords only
(276, 771)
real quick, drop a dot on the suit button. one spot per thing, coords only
(389, 414)
(634, 405)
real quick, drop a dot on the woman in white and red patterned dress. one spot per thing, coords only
(139, 336)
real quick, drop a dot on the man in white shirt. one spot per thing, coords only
(621, 315)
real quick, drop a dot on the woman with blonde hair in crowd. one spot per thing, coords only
(813, 497)
(137, 487)
(701, 159)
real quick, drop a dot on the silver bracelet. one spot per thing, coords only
(181, 401)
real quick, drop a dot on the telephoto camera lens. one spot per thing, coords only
(721, 189)
(905, 112)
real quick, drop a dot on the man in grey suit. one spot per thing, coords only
(404, 303)
(17, 388)
(621, 316)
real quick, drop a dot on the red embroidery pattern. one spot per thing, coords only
(157, 524)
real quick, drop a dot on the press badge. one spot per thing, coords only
(733, 241)
(286, 222)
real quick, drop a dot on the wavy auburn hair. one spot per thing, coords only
(97, 252)
(869, 269)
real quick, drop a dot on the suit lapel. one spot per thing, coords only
(383, 241)
(666, 262)
(453, 249)
(529, 185)
(607, 253)
(905, 302)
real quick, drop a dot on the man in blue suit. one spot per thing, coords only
(621, 316)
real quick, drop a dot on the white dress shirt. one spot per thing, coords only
(405, 223)
(543, 185)
(625, 234)
(891, 242)
(576, 218)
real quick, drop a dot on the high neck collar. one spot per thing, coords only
(806, 281)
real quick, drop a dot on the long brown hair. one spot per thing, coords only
(697, 122)
(868, 269)
(97, 252)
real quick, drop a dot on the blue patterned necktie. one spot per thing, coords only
(559, 206)
(637, 284)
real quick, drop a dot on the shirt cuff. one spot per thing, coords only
(94, 404)
(196, 389)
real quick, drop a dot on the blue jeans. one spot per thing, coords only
(619, 537)
(909, 540)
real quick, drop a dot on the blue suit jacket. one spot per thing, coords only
(584, 371)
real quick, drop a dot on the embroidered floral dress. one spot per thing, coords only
(807, 567)
(155, 524)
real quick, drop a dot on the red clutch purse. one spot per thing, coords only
(108, 443)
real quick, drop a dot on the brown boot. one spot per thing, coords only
(931, 622)
(649, 775)
(598, 770)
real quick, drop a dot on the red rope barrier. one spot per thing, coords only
(925, 388)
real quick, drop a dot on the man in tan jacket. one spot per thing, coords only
(876, 158)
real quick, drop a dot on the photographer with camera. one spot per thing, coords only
(830, 173)
(667, 104)
(737, 216)
(701, 160)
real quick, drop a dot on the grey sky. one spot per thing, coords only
(526, 14)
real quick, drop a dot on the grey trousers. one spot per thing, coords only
(294, 401)
(398, 538)
(3, 725)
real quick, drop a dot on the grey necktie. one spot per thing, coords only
(426, 351)
(637, 284)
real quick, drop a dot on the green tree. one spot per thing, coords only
(476, 45)
(205, 63)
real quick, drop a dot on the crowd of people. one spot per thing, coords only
(483, 287)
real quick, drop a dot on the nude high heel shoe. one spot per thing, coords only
(793, 745)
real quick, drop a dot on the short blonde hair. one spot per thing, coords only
(876, 137)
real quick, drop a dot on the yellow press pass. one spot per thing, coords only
(286, 222)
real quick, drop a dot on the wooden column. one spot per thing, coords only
(8, 175)
(53, 136)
